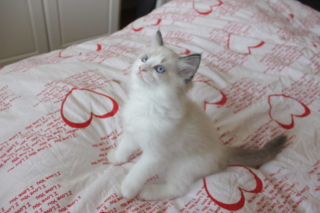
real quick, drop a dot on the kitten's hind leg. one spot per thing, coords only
(181, 175)
(123, 151)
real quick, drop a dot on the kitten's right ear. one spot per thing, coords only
(157, 42)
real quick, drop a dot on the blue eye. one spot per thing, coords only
(144, 59)
(160, 69)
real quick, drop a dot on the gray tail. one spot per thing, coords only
(253, 158)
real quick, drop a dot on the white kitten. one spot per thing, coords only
(171, 130)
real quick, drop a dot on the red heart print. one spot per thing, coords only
(286, 109)
(78, 49)
(139, 29)
(238, 205)
(242, 44)
(83, 104)
(207, 85)
(181, 50)
(187, 52)
(217, 4)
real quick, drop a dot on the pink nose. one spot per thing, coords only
(142, 69)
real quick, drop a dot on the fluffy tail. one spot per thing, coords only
(253, 158)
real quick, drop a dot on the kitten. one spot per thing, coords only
(171, 130)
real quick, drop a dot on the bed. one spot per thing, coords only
(259, 77)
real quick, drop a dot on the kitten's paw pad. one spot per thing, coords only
(150, 192)
(111, 156)
(129, 190)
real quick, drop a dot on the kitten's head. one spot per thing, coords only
(160, 66)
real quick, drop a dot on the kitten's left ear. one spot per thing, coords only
(188, 66)
(157, 42)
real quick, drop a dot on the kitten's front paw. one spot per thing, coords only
(129, 190)
(114, 159)
(150, 192)
(111, 156)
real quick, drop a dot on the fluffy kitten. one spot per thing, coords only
(171, 130)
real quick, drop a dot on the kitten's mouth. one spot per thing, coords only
(145, 77)
(140, 74)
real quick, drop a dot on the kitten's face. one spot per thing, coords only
(160, 66)
(156, 66)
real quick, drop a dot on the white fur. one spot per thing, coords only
(170, 129)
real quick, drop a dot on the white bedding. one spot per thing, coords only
(259, 77)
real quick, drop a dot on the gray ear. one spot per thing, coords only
(157, 42)
(188, 66)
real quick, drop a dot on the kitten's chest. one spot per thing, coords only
(149, 117)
